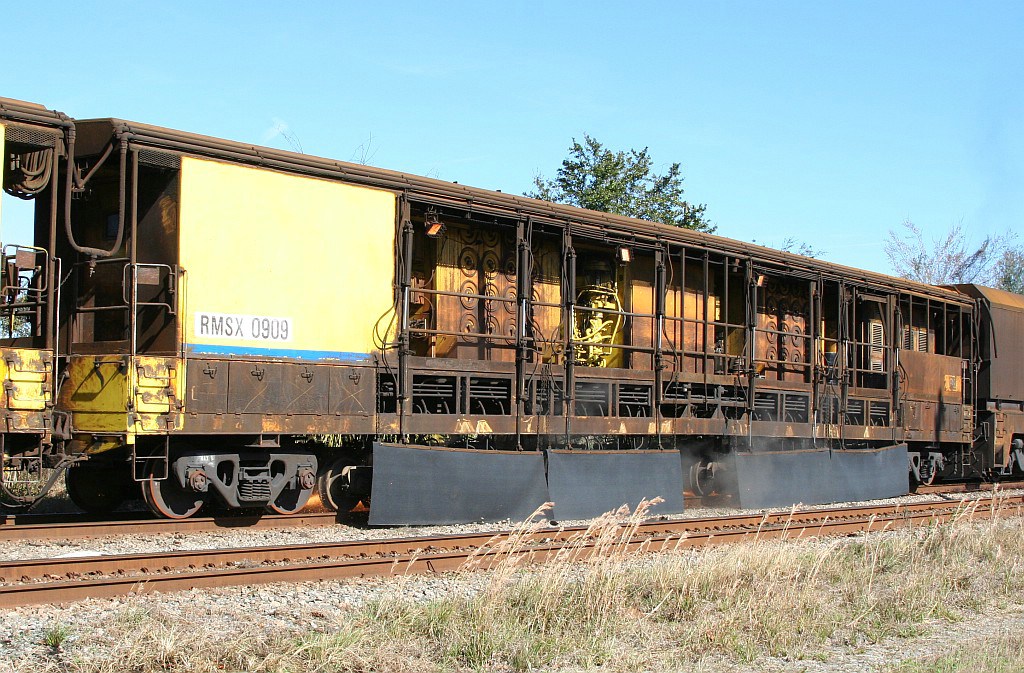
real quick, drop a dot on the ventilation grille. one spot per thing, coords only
(434, 395)
(877, 346)
(161, 159)
(796, 408)
(591, 392)
(878, 413)
(490, 396)
(635, 400)
(17, 134)
(592, 399)
(766, 402)
(855, 412)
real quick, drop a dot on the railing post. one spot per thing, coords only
(405, 285)
(660, 290)
(524, 295)
(569, 327)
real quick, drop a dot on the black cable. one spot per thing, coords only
(30, 173)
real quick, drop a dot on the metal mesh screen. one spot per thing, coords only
(24, 136)
(161, 159)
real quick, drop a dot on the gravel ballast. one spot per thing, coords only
(82, 630)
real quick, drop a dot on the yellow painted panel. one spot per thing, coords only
(25, 374)
(157, 382)
(279, 264)
(95, 391)
(27, 364)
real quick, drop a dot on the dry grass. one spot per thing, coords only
(56, 499)
(23, 486)
(1004, 654)
(599, 605)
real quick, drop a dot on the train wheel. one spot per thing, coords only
(167, 498)
(97, 488)
(335, 488)
(291, 500)
(294, 498)
(702, 477)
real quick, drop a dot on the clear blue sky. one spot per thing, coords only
(829, 122)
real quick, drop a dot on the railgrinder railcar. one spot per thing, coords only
(211, 322)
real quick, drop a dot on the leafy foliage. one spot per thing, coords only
(12, 323)
(952, 258)
(623, 183)
(1009, 270)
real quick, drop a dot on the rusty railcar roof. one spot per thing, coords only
(33, 113)
(995, 296)
(483, 200)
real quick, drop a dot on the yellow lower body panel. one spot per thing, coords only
(27, 376)
(122, 396)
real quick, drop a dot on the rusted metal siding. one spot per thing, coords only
(228, 396)
(476, 261)
(934, 408)
(933, 377)
(782, 347)
(1001, 342)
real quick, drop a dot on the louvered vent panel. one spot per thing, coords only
(915, 339)
(877, 346)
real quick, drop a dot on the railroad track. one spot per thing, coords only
(70, 579)
(25, 527)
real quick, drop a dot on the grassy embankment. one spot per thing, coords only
(807, 600)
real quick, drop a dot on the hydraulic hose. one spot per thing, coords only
(70, 188)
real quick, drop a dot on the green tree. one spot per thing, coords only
(1009, 271)
(623, 183)
(952, 258)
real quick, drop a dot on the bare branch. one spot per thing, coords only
(947, 260)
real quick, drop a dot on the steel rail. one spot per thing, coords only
(73, 527)
(78, 566)
(441, 553)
